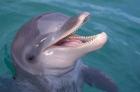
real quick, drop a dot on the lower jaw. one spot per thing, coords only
(77, 41)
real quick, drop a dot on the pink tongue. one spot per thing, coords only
(71, 42)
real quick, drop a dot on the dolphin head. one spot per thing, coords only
(47, 43)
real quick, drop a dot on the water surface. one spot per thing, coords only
(120, 19)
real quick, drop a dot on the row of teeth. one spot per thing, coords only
(91, 40)
(83, 37)
(88, 39)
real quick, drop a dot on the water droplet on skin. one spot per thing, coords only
(48, 52)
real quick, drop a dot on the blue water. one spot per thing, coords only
(120, 19)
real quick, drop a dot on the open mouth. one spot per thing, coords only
(69, 39)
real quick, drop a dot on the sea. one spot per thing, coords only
(120, 19)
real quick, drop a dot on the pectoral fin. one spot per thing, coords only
(95, 77)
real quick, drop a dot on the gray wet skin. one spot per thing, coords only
(43, 66)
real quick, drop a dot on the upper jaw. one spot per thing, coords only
(69, 27)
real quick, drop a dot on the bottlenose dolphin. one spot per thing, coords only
(46, 53)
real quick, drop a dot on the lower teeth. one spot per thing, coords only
(76, 40)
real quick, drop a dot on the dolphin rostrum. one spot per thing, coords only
(46, 54)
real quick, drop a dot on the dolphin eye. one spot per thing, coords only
(30, 58)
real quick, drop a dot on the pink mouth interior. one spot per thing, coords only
(71, 42)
